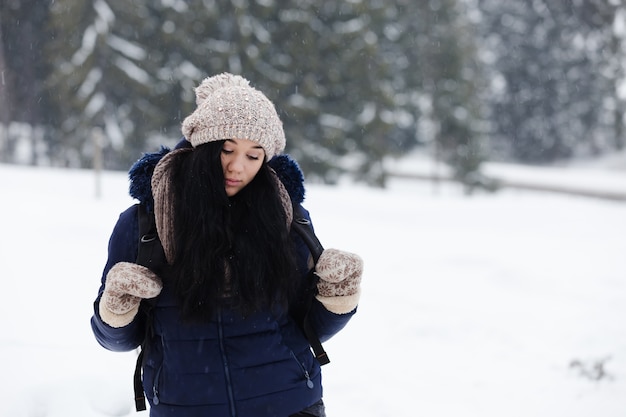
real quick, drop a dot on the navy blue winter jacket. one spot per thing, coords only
(260, 366)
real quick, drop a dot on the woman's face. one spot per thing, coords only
(241, 161)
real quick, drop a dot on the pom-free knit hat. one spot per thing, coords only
(229, 108)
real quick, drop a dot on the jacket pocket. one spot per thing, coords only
(155, 386)
(305, 372)
(153, 366)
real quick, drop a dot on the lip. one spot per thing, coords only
(232, 182)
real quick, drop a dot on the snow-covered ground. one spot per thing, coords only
(509, 304)
(603, 177)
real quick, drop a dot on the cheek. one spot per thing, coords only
(257, 167)
(252, 167)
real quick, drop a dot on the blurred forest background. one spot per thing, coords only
(356, 82)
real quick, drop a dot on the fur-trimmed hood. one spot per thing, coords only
(140, 175)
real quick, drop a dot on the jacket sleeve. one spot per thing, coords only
(122, 248)
(325, 323)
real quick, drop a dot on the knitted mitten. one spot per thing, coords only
(340, 277)
(126, 284)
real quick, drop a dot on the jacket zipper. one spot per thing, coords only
(229, 387)
(231, 398)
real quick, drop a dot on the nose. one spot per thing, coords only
(235, 164)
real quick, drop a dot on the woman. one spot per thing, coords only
(221, 340)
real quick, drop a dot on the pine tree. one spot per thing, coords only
(432, 45)
(22, 95)
(106, 78)
(550, 59)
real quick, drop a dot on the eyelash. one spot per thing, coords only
(252, 157)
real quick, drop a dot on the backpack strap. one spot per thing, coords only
(150, 252)
(140, 396)
(146, 307)
(151, 255)
(304, 228)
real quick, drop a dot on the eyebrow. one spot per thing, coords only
(254, 147)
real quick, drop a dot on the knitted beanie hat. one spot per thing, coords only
(228, 108)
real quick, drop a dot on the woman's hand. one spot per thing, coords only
(340, 278)
(126, 284)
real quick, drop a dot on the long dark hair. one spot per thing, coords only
(228, 251)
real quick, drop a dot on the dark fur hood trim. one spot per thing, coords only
(290, 174)
(140, 176)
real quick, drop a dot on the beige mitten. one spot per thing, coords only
(126, 284)
(340, 278)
